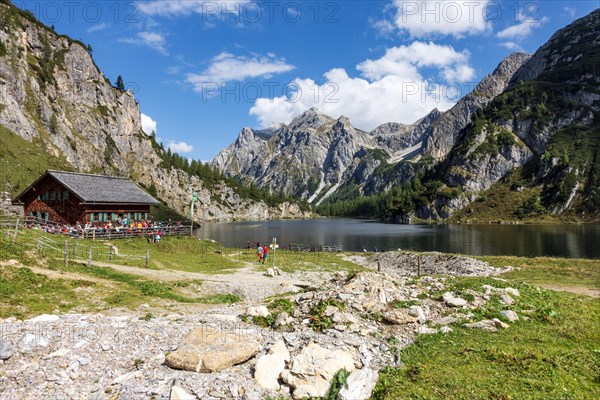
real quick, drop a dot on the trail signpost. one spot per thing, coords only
(274, 246)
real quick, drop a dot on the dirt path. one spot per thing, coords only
(592, 292)
(245, 281)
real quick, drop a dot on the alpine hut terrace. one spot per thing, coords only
(91, 206)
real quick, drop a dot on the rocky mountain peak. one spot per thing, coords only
(310, 119)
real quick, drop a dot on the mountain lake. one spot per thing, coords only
(568, 241)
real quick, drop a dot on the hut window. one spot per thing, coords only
(66, 195)
(91, 217)
(52, 196)
(105, 217)
(146, 216)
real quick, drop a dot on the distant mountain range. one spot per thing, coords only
(524, 144)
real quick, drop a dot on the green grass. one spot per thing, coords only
(298, 261)
(550, 271)
(22, 162)
(24, 293)
(553, 355)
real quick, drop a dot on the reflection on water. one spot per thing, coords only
(573, 241)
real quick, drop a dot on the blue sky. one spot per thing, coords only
(203, 69)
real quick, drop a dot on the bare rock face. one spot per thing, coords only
(444, 132)
(209, 349)
(313, 369)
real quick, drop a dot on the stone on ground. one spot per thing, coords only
(509, 315)
(258, 311)
(271, 365)
(178, 393)
(452, 301)
(312, 370)
(485, 325)
(399, 317)
(210, 349)
(6, 350)
(359, 385)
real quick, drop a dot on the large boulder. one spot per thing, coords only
(210, 349)
(312, 370)
(271, 365)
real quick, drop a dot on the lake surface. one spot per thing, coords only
(571, 241)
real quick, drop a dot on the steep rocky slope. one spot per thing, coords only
(56, 98)
(546, 124)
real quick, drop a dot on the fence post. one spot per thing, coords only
(93, 234)
(147, 258)
(40, 245)
(16, 230)
(419, 265)
(110, 253)
(75, 249)
(89, 262)
(378, 266)
(66, 253)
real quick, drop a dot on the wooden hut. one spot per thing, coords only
(73, 198)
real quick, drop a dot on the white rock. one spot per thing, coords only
(178, 393)
(44, 318)
(125, 377)
(452, 301)
(500, 324)
(258, 311)
(512, 291)
(417, 311)
(424, 330)
(270, 272)
(509, 315)
(311, 371)
(506, 299)
(6, 350)
(58, 353)
(271, 365)
(359, 385)
(485, 324)
(446, 329)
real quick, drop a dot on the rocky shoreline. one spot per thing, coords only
(287, 346)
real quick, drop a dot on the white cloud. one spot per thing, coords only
(180, 147)
(441, 17)
(154, 40)
(98, 27)
(512, 46)
(570, 11)
(148, 124)
(228, 67)
(521, 30)
(404, 62)
(391, 88)
(173, 8)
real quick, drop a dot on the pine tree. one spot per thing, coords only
(120, 84)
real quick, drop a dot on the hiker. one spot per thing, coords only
(259, 251)
(265, 253)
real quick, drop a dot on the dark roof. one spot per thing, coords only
(98, 188)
